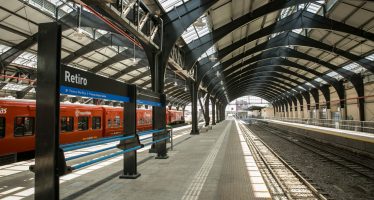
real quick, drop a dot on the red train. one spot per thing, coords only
(78, 123)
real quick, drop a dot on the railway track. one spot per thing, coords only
(283, 181)
(327, 153)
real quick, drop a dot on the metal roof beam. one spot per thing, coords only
(178, 20)
(197, 48)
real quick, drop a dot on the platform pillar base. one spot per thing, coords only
(129, 176)
(194, 132)
(162, 157)
(152, 150)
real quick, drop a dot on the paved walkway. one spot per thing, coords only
(211, 165)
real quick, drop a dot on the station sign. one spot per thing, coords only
(86, 84)
(147, 97)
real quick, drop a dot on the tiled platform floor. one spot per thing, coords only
(206, 166)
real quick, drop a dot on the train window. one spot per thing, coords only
(23, 126)
(109, 123)
(2, 127)
(117, 121)
(82, 123)
(141, 121)
(67, 124)
(96, 122)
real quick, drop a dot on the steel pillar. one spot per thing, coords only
(213, 111)
(129, 127)
(195, 120)
(217, 113)
(47, 142)
(158, 113)
(207, 118)
(159, 122)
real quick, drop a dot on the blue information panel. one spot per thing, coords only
(81, 83)
(149, 98)
(151, 103)
(91, 94)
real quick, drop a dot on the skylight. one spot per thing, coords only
(370, 57)
(51, 5)
(315, 7)
(298, 31)
(335, 75)
(14, 87)
(320, 80)
(196, 30)
(299, 86)
(168, 5)
(209, 53)
(26, 59)
(354, 67)
(3, 48)
(309, 84)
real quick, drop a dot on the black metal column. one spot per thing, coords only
(129, 127)
(220, 112)
(159, 122)
(223, 112)
(361, 108)
(213, 111)
(47, 110)
(183, 112)
(158, 113)
(217, 112)
(207, 118)
(361, 100)
(195, 120)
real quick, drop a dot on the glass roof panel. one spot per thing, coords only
(26, 59)
(354, 67)
(168, 5)
(320, 80)
(196, 30)
(333, 74)
(298, 31)
(299, 86)
(50, 6)
(371, 57)
(315, 7)
(209, 53)
(3, 48)
(14, 87)
(309, 84)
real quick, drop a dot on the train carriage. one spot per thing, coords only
(174, 117)
(78, 122)
(17, 126)
(143, 119)
(113, 121)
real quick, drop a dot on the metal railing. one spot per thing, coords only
(109, 140)
(352, 125)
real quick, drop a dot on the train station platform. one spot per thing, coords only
(360, 142)
(213, 165)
